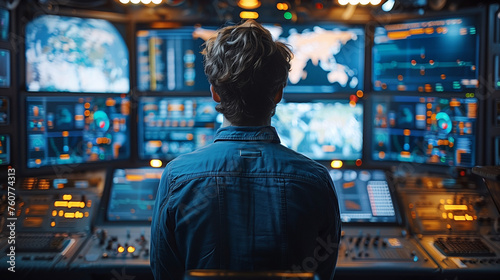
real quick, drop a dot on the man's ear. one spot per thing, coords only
(278, 96)
(215, 96)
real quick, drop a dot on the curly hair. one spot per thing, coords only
(246, 68)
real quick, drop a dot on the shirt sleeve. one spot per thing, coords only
(164, 255)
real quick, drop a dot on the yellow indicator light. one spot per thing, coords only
(156, 163)
(78, 215)
(67, 197)
(121, 249)
(249, 4)
(455, 207)
(52, 224)
(249, 15)
(468, 217)
(78, 204)
(134, 177)
(459, 218)
(69, 215)
(86, 214)
(444, 215)
(336, 164)
(450, 215)
(61, 213)
(60, 203)
(130, 249)
(54, 213)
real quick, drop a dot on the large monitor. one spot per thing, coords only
(4, 24)
(169, 60)
(76, 129)
(171, 126)
(4, 68)
(439, 55)
(321, 129)
(71, 54)
(364, 196)
(4, 149)
(132, 194)
(328, 58)
(427, 130)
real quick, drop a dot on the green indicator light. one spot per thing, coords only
(287, 15)
(498, 84)
(101, 156)
(472, 30)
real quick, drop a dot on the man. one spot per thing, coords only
(245, 202)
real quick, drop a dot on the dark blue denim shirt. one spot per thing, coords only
(245, 202)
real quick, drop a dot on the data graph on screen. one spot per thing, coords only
(440, 55)
(169, 60)
(133, 194)
(76, 129)
(321, 130)
(430, 130)
(171, 126)
(364, 196)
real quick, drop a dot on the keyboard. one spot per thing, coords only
(463, 247)
(44, 243)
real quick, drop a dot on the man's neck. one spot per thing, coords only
(225, 123)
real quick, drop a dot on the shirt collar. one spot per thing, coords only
(247, 133)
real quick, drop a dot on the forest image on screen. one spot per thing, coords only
(429, 56)
(428, 130)
(72, 130)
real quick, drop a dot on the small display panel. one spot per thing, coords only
(426, 56)
(4, 110)
(4, 24)
(364, 196)
(4, 68)
(431, 130)
(321, 130)
(133, 194)
(171, 126)
(71, 54)
(170, 60)
(328, 58)
(4, 149)
(76, 129)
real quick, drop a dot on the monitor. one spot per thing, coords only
(4, 149)
(321, 129)
(4, 68)
(171, 126)
(427, 130)
(4, 24)
(439, 55)
(132, 194)
(72, 54)
(364, 196)
(76, 129)
(328, 58)
(169, 60)
(4, 110)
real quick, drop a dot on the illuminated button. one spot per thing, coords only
(336, 163)
(130, 249)
(67, 197)
(156, 163)
(54, 213)
(61, 213)
(52, 224)
(121, 249)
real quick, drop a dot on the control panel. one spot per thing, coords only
(53, 219)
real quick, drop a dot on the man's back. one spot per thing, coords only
(245, 203)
